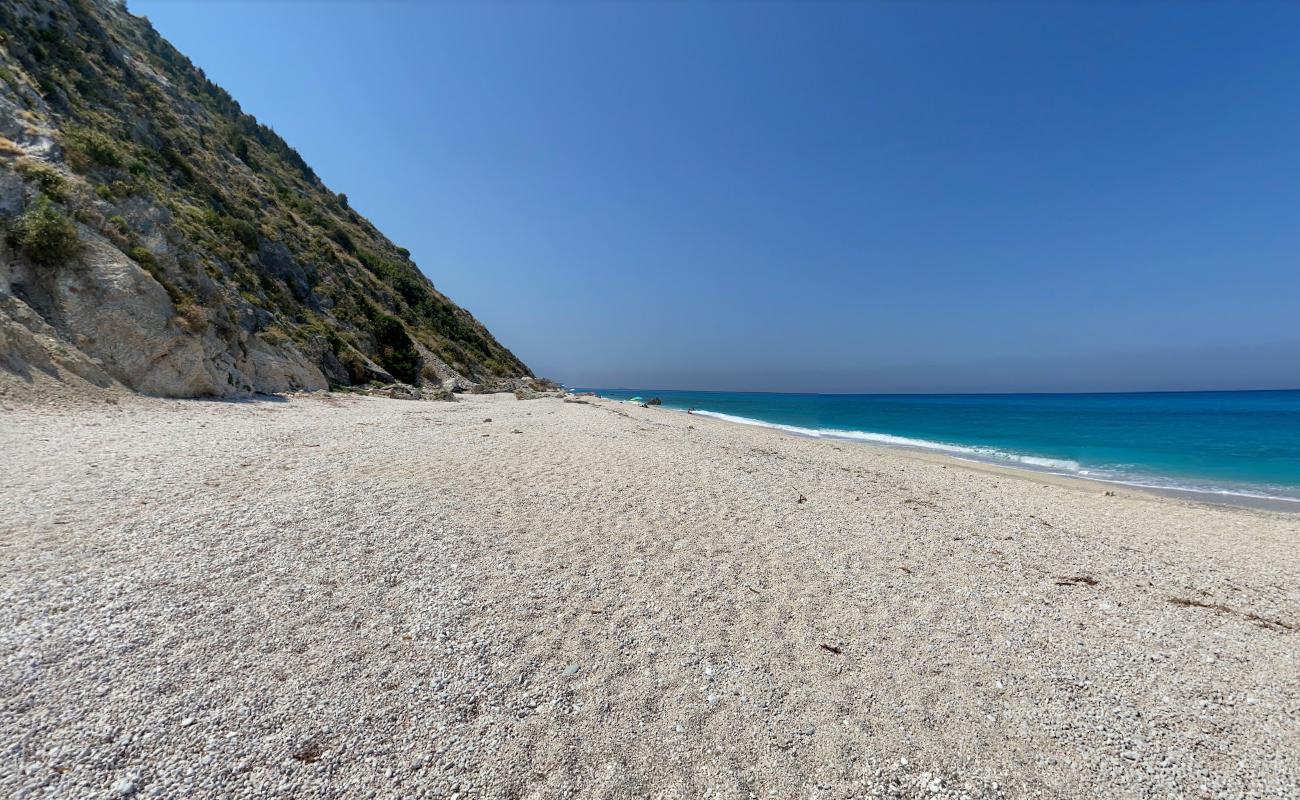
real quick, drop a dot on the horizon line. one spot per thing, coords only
(928, 394)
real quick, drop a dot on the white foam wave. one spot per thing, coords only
(1193, 488)
(903, 441)
(1065, 464)
(1056, 466)
(816, 434)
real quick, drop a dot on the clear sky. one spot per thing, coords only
(919, 196)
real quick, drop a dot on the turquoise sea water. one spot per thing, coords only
(1243, 444)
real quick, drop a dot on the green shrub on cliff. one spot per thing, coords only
(86, 147)
(45, 176)
(396, 350)
(45, 235)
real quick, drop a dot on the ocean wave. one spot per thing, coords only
(1189, 487)
(1054, 466)
(903, 441)
(816, 434)
(1046, 463)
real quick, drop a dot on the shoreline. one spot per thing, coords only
(1279, 505)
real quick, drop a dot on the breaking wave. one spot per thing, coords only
(1055, 466)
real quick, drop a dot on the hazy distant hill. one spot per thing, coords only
(157, 236)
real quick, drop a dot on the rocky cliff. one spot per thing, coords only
(154, 236)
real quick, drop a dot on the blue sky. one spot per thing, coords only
(843, 197)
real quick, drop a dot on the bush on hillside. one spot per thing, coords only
(46, 236)
(87, 147)
(397, 352)
(44, 176)
(244, 231)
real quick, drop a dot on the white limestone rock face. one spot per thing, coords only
(118, 318)
(436, 372)
(116, 312)
(34, 353)
(281, 369)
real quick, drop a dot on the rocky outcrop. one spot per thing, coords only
(103, 317)
(436, 372)
(32, 351)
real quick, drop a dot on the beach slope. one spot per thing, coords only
(335, 596)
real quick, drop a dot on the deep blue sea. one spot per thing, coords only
(1243, 444)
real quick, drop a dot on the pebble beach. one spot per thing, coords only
(329, 596)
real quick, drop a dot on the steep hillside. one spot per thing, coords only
(157, 236)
